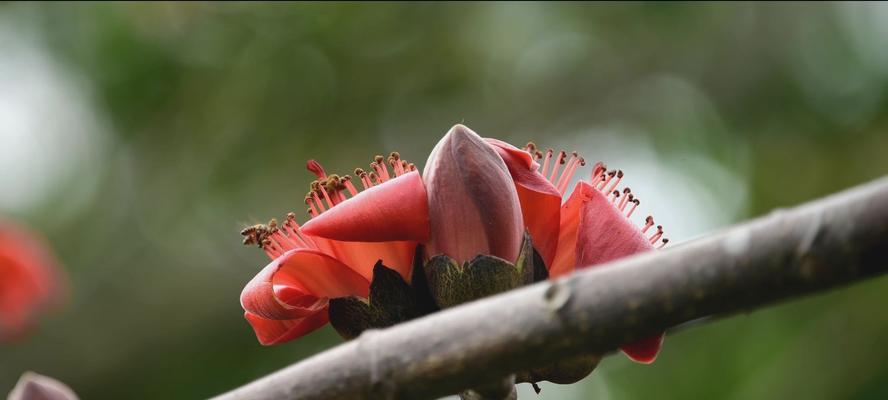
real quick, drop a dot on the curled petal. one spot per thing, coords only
(393, 210)
(540, 200)
(298, 283)
(273, 331)
(644, 351)
(473, 204)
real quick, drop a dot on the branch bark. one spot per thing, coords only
(823, 244)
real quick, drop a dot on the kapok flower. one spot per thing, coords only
(593, 225)
(289, 297)
(30, 280)
(475, 241)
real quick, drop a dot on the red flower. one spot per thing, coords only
(468, 202)
(29, 280)
(592, 227)
(289, 297)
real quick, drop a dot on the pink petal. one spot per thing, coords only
(394, 210)
(604, 233)
(473, 205)
(298, 283)
(272, 331)
(644, 351)
(540, 200)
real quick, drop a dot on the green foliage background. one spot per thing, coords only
(209, 112)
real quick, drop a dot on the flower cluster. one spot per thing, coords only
(470, 225)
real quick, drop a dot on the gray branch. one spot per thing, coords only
(820, 245)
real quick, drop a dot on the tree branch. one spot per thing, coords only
(833, 241)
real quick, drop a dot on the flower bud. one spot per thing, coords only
(473, 205)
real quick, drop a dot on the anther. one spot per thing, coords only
(615, 182)
(635, 203)
(648, 223)
(626, 198)
(656, 236)
(545, 169)
(610, 176)
(598, 169)
(557, 164)
(663, 243)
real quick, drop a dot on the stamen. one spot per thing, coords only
(615, 182)
(312, 210)
(545, 169)
(635, 204)
(270, 250)
(411, 167)
(291, 228)
(561, 156)
(626, 195)
(569, 171)
(318, 202)
(657, 234)
(380, 168)
(320, 188)
(648, 223)
(610, 175)
(395, 161)
(598, 170)
(531, 148)
(375, 179)
(663, 244)
(362, 175)
(346, 180)
(616, 194)
(316, 168)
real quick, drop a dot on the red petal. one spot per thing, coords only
(271, 331)
(565, 257)
(604, 233)
(516, 155)
(394, 210)
(540, 200)
(362, 256)
(298, 283)
(645, 350)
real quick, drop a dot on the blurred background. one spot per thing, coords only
(140, 138)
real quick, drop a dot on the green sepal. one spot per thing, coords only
(391, 301)
(451, 284)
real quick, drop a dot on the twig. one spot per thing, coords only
(830, 242)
